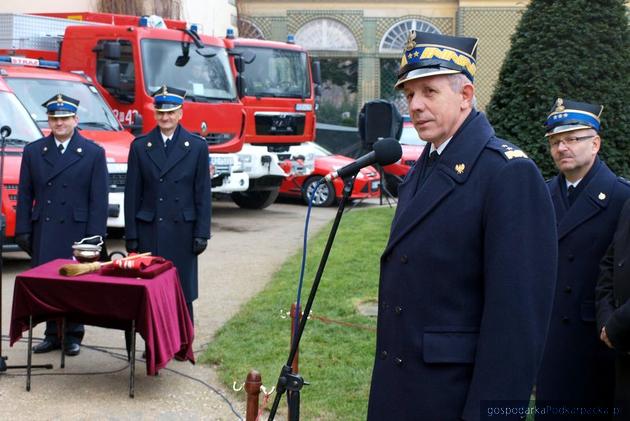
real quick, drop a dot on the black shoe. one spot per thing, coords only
(73, 349)
(46, 346)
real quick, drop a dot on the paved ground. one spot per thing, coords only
(246, 248)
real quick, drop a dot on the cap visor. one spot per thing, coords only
(420, 73)
(61, 113)
(569, 128)
(168, 107)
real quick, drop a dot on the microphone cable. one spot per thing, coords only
(298, 304)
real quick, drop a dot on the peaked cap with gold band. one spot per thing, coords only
(61, 106)
(567, 115)
(168, 99)
(428, 54)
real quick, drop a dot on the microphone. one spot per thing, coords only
(5, 131)
(386, 151)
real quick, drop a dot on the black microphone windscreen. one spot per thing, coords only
(5, 131)
(387, 151)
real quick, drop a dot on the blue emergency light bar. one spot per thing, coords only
(33, 62)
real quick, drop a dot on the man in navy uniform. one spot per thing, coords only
(577, 368)
(468, 274)
(167, 193)
(62, 198)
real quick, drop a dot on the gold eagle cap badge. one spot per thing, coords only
(411, 41)
(559, 105)
(459, 168)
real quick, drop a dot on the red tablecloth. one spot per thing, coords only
(157, 305)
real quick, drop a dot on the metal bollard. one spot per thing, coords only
(252, 388)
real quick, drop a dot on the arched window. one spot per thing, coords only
(247, 29)
(395, 38)
(326, 34)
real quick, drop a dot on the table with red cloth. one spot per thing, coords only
(157, 306)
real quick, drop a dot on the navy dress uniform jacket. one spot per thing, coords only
(613, 306)
(466, 283)
(62, 198)
(577, 367)
(167, 200)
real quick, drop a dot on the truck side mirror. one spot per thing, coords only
(238, 64)
(317, 72)
(137, 126)
(111, 75)
(240, 85)
(111, 50)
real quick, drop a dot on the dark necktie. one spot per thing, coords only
(432, 159)
(167, 146)
(60, 148)
(571, 195)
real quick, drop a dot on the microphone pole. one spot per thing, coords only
(288, 381)
(5, 132)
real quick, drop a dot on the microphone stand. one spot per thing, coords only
(5, 132)
(288, 381)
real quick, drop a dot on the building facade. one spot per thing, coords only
(369, 36)
(214, 16)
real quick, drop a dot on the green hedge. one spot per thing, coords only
(575, 49)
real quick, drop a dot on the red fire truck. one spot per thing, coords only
(278, 90)
(128, 58)
(277, 86)
(23, 130)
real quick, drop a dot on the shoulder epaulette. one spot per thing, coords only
(624, 181)
(506, 149)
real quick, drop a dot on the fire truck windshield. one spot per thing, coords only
(93, 112)
(13, 114)
(277, 73)
(204, 74)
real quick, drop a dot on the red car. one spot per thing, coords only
(412, 147)
(366, 184)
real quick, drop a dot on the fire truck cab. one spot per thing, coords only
(277, 86)
(21, 130)
(128, 58)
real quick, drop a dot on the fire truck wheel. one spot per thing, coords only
(325, 194)
(259, 199)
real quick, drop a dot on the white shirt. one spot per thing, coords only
(164, 137)
(574, 184)
(65, 144)
(440, 149)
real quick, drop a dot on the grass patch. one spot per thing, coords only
(336, 360)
